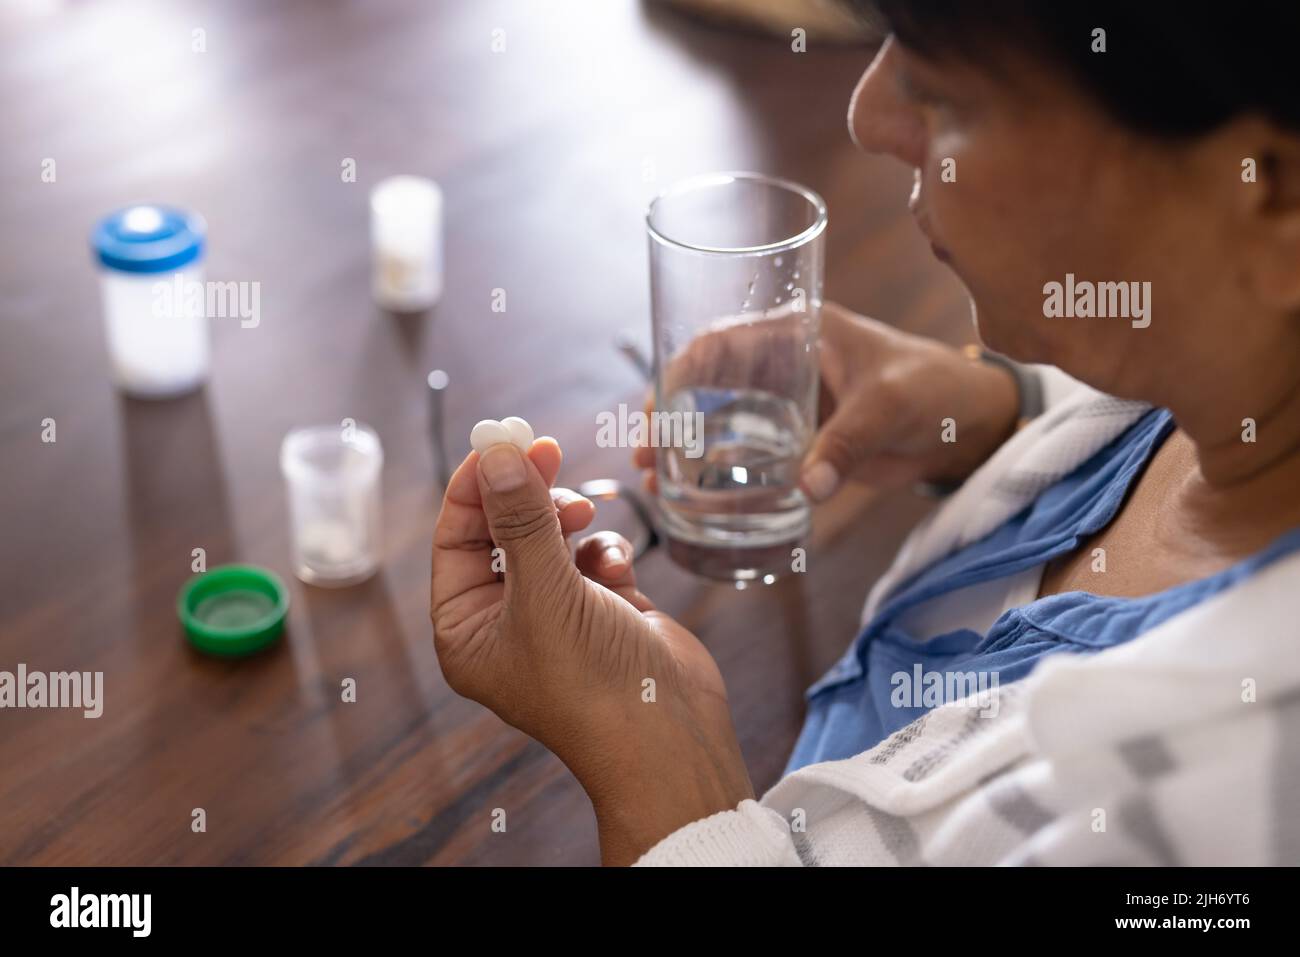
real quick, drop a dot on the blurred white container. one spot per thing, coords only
(332, 474)
(151, 286)
(406, 243)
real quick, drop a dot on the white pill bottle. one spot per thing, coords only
(151, 284)
(406, 243)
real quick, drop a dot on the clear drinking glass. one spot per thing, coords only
(332, 474)
(736, 263)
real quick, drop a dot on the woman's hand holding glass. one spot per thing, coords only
(884, 398)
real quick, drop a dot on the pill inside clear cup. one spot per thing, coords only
(332, 474)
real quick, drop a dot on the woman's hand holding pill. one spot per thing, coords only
(571, 652)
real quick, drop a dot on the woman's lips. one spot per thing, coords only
(940, 253)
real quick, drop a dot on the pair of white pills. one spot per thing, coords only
(490, 432)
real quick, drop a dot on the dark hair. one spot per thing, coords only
(1170, 70)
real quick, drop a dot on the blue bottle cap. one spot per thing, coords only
(148, 238)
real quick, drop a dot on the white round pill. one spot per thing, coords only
(521, 433)
(488, 433)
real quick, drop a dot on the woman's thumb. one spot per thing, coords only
(820, 476)
(521, 514)
(838, 450)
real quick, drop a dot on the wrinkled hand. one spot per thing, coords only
(562, 650)
(883, 397)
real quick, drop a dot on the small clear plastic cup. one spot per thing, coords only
(332, 474)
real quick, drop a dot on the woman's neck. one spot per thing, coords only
(1240, 474)
(1242, 440)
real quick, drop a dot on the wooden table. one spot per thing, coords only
(547, 153)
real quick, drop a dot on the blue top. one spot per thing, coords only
(880, 685)
(148, 239)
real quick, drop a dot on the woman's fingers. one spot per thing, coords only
(464, 580)
(523, 522)
(576, 512)
(546, 455)
(844, 444)
(606, 558)
(643, 456)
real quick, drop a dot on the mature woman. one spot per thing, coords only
(1121, 555)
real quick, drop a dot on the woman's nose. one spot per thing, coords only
(881, 119)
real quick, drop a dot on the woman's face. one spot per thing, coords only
(1021, 179)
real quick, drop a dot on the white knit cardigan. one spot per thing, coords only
(1179, 747)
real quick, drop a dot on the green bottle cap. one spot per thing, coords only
(233, 610)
